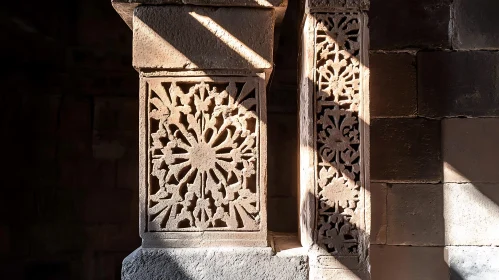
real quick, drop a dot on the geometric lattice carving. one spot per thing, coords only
(337, 97)
(203, 155)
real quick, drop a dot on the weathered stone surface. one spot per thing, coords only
(412, 24)
(477, 203)
(393, 85)
(469, 150)
(171, 37)
(213, 263)
(408, 263)
(473, 263)
(476, 24)
(244, 3)
(405, 150)
(337, 5)
(203, 163)
(276, 220)
(378, 213)
(415, 215)
(458, 84)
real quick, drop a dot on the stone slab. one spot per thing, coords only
(471, 213)
(393, 85)
(405, 150)
(337, 5)
(473, 263)
(378, 213)
(415, 215)
(228, 3)
(408, 263)
(458, 84)
(191, 37)
(469, 150)
(213, 263)
(476, 24)
(398, 24)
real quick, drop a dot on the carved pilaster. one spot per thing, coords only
(203, 74)
(334, 126)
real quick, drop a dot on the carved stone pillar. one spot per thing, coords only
(203, 146)
(334, 137)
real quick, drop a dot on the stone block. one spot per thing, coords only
(282, 138)
(243, 3)
(190, 37)
(415, 215)
(408, 263)
(102, 174)
(405, 150)
(335, 5)
(469, 150)
(213, 263)
(458, 84)
(413, 24)
(378, 213)
(476, 24)
(280, 221)
(473, 263)
(110, 206)
(112, 237)
(115, 126)
(203, 161)
(477, 203)
(393, 85)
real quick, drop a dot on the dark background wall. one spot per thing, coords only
(69, 184)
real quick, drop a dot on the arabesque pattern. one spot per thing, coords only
(337, 95)
(203, 155)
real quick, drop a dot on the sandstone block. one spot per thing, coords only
(405, 150)
(473, 263)
(332, 5)
(243, 3)
(189, 37)
(477, 203)
(408, 263)
(414, 24)
(458, 84)
(110, 206)
(213, 263)
(393, 85)
(378, 213)
(469, 150)
(415, 215)
(476, 24)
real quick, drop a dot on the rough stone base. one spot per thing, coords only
(213, 263)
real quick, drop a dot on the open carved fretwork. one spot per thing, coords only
(203, 154)
(337, 99)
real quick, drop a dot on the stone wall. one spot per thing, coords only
(69, 195)
(434, 129)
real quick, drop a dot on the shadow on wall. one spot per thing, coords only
(339, 207)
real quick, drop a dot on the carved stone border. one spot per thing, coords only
(198, 238)
(321, 258)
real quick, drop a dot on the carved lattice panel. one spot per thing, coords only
(203, 154)
(337, 95)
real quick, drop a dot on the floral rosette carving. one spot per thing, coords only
(203, 154)
(338, 138)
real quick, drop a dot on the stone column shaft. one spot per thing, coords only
(203, 146)
(334, 138)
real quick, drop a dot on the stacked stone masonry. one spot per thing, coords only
(433, 139)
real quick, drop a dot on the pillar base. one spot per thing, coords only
(217, 263)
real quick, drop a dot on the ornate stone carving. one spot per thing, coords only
(337, 96)
(203, 154)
